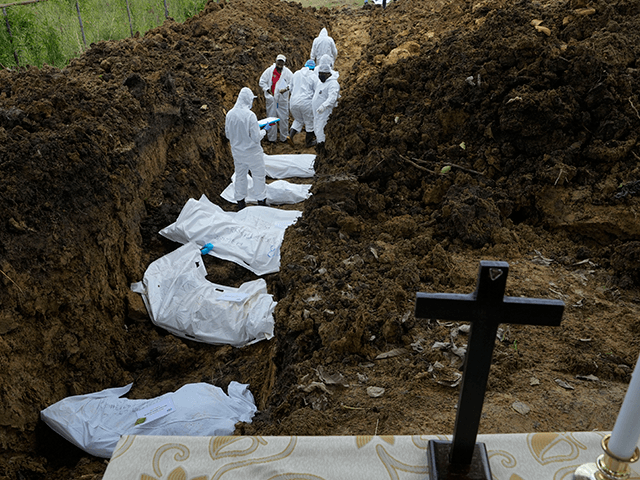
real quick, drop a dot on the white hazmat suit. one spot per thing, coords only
(277, 100)
(244, 134)
(303, 86)
(325, 99)
(323, 44)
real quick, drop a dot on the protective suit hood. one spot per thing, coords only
(323, 33)
(245, 98)
(327, 60)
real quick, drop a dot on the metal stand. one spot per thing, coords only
(441, 468)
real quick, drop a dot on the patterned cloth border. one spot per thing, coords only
(527, 456)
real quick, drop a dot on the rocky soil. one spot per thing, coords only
(466, 131)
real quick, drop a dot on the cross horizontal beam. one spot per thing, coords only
(461, 307)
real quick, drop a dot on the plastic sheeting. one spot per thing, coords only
(95, 422)
(290, 166)
(279, 192)
(251, 237)
(180, 299)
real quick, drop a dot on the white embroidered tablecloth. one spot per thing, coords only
(532, 456)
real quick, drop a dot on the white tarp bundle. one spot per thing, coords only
(279, 192)
(180, 299)
(290, 166)
(95, 422)
(251, 237)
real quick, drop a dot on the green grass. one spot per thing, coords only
(49, 32)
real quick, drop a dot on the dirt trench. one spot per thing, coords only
(463, 133)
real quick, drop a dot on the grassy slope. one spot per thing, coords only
(49, 32)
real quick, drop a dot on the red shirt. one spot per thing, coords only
(274, 79)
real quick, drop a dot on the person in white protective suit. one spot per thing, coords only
(244, 134)
(325, 99)
(275, 82)
(323, 44)
(303, 86)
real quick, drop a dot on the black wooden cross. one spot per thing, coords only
(486, 308)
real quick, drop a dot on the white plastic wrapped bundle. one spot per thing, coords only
(180, 299)
(279, 192)
(251, 237)
(290, 166)
(95, 422)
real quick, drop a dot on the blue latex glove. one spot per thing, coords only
(206, 249)
(267, 127)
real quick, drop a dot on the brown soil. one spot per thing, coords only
(541, 132)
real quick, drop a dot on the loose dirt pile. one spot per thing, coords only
(534, 107)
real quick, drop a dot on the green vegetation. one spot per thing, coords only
(24, 36)
(49, 32)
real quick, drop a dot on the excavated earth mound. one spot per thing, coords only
(496, 130)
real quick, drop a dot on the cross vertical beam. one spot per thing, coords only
(485, 308)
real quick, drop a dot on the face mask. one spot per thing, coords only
(323, 76)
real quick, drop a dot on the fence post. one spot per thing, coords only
(166, 10)
(129, 15)
(84, 40)
(6, 19)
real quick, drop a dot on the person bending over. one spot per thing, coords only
(303, 86)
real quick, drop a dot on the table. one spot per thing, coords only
(526, 456)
